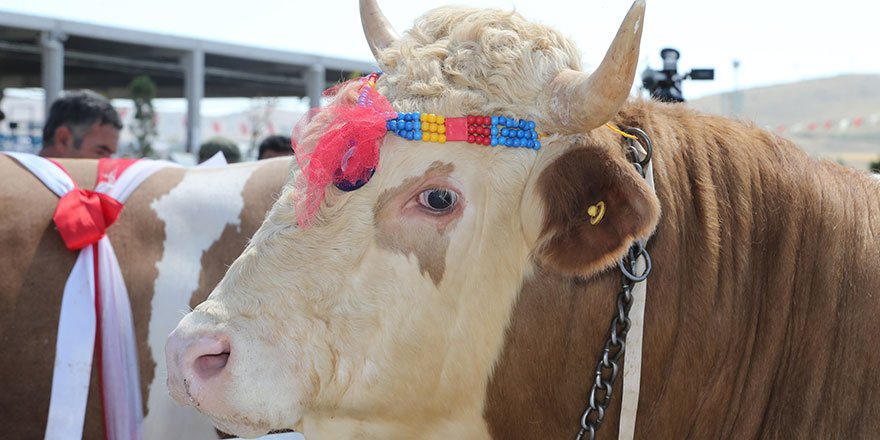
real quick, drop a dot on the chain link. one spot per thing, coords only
(608, 367)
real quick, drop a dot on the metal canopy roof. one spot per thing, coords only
(106, 59)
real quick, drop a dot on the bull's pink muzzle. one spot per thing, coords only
(196, 367)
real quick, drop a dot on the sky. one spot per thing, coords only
(775, 41)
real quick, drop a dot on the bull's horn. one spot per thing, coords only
(578, 102)
(379, 32)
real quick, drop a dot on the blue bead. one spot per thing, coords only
(406, 117)
(410, 135)
(537, 145)
(494, 121)
(522, 123)
(408, 126)
(417, 126)
(505, 132)
(399, 116)
(494, 131)
(531, 144)
(518, 143)
(534, 134)
(416, 116)
(520, 134)
(502, 120)
(502, 140)
(493, 142)
(530, 125)
(509, 142)
(418, 136)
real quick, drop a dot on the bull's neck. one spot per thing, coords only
(751, 243)
(755, 242)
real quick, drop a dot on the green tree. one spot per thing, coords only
(875, 166)
(143, 90)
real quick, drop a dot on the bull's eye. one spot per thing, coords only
(438, 200)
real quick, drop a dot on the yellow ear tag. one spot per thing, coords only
(596, 212)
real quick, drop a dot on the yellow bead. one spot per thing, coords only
(593, 210)
(440, 119)
(432, 128)
(441, 129)
(426, 138)
(434, 137)
(432, 117)
(423, 117)
(441, 138)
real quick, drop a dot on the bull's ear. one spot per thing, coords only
(567, 234)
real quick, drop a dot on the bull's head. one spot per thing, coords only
(387, 314)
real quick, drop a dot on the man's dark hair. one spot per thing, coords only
(219, 143)
(78, 111)
(277, 143)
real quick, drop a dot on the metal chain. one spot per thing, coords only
(608, 368)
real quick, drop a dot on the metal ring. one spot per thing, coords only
(648, 146)
(633, 277)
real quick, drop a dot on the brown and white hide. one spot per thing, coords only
(174, 240)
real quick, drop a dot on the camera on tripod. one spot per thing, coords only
(665, 85)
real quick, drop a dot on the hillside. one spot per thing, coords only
(835, 118)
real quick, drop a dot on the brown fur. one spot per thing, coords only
(36, 264)
(427, 244)
(762, 309)
(582, 177)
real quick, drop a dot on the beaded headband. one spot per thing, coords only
(347, 151)
(485, 130)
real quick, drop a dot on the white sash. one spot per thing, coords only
(632, 357)
(74, 348)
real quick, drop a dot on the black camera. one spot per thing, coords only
(665, 85)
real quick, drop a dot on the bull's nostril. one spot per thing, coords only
(209, 356)
(211, 364)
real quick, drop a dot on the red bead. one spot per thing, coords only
(472, 139)
(487, 120)
(486, 131)
(471, 119)
(487, 141)
(471, 129)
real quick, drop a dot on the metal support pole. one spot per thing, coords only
(194, 90)
(315, 84)
(52, 48)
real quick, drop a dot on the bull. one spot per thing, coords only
(174, 240)
(464, 291)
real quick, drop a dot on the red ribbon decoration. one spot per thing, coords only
(83, 216)
(347, 150)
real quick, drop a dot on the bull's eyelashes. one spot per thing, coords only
(438, 200)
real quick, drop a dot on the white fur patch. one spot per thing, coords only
(195, 213)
